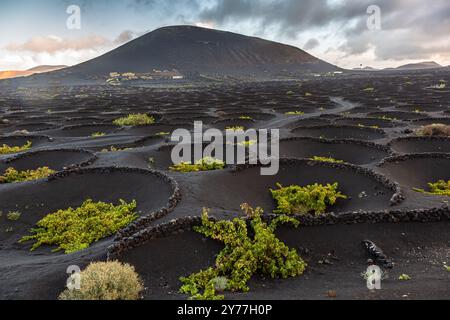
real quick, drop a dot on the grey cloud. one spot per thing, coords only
(124, 37)
(311, 44)
(410, 28)
(289, 16)
(172, 7)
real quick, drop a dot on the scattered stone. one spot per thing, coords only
(377, 254)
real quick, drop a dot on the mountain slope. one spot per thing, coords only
(46, 68)
(195, 50)
(420, 66)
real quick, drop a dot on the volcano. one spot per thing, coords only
(199, 51)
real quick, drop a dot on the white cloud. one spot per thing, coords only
(53, 44)
(54, 50)
(206, 24)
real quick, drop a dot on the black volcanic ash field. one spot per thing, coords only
(335, 118)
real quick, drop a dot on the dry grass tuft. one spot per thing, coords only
(106, 281)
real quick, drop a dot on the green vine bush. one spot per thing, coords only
(98, 134)
(235, 128)
(137, 119)
(114, 149)
(326, 159)
(303, 200)
(204, 164)
(75, 229)
(364, 126)
(294, 113)
(247, 252)
(13, 215)
(440, 188)
(6, 149)
(247, 143)
(12, 175)
(387, 118)
(110, 280)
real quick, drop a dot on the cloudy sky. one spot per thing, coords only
(35, 32)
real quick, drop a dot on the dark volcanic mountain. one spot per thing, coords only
(420, 66)
(198, 50)
(194, 51)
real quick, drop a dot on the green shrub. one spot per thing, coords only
(363, 126)
(302, 200)
(326, 159)
(137, 119)
(6, 149)
(247, 143)
(98, 134)
(385, 117)
(440, 188)
(114, 149)
(75, 229)
(295, 113)
(13, 215)
(235, 128)
(404, 277)
(205, 164)
(12, 175)
(246, 253)
(106, 281)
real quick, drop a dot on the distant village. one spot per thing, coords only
(116, 78)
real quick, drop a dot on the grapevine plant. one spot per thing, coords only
(440, 188)
(98, 134)
(247, 143)
(235, 128)
(204, 164)
(6, 149)
(326, 159)
(303, 200)
(75, 229)
(137, 119)
(12, 175)
(295, 113)
(250, 248)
